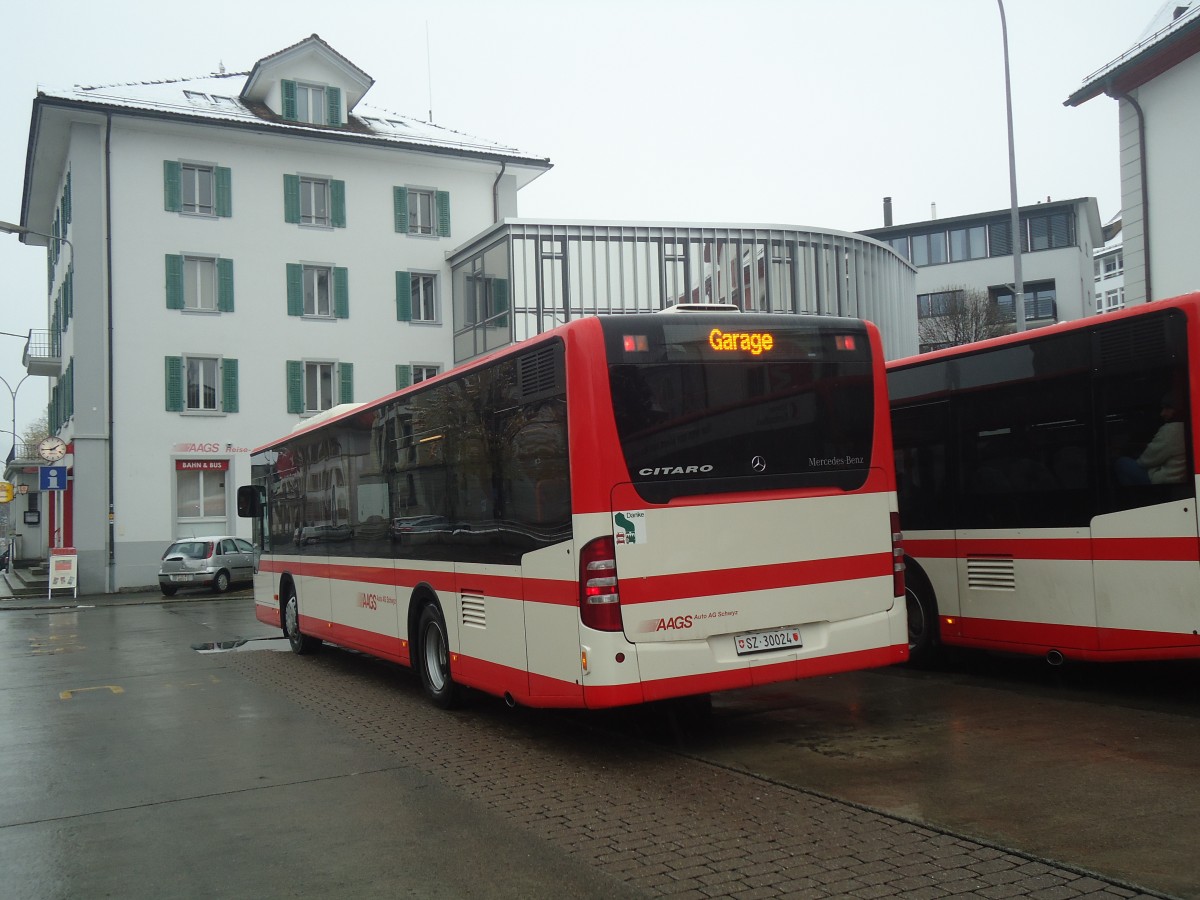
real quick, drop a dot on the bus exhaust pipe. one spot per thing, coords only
(1055, 658)
(509, 700)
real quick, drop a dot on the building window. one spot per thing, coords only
(424, 301)
(311, 103)
(199, 494)
(929, 249)
(197, 189)
(900, 245)
(317, 385)
(199, 283)
(1113, 265)
(196, 185)
(421, 211)
(316, 291)
(314, 201)
(1039, 302)
(421, 373)
(967, 243)
(1051, 231)
(201, 384)
(1111, 300)
(937, 304)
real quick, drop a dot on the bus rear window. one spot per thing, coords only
(777, 405)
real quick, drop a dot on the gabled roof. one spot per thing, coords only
(1177, 38)
(219, 100)
(269, 69)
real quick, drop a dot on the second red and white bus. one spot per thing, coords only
(624, 509)
(1035, 518)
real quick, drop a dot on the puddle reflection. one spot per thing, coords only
(243, 645)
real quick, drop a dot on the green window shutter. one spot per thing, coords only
(403, 297)
(289, 99)
(403, 377)
(442, 200)
(333, 97)
(295, 386)
(346, 382)
(341, 292)
(68, 196)
(174, 281)
(224, 178)
(295, 289)
(174, 383)
(69, 284)
(229, 385)
(291, 199)
(225, 285)
(400, 205)
(337, 198)
(172, 191)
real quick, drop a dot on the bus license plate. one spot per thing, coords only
(761, 641)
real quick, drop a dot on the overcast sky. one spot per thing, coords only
(792, 112)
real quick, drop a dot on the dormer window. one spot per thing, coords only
(315, 104)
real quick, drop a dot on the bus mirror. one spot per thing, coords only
(249, 502)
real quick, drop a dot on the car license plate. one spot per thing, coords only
(762, 641)
(181, 577)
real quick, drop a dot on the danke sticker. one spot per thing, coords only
(629, 527)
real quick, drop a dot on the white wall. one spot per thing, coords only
(259, 333)
(1173, 179)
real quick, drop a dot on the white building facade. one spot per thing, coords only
(975, 252)
(1155, 84)
(236, 253)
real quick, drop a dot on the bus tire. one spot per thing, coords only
(433, 658)
(922, 617)
(302, 644)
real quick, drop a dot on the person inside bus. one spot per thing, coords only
(1164, 461)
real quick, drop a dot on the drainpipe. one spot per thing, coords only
(110, 587)
(496, 192)
(1141, 117)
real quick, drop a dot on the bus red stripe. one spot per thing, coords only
(754, 578)
(1076, 641)
(1152, 549)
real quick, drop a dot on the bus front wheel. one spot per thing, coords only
(301, 643)
(433, 663)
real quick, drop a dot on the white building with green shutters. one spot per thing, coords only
(228, 255)
(231, 255)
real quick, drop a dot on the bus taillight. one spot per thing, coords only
(599, 601)
(897, 557)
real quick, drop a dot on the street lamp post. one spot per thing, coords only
(13, 392)
(1018, 285)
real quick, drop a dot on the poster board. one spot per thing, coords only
(64, 571)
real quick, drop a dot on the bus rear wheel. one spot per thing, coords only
(922, 621)
(302, 644)
(433, 662)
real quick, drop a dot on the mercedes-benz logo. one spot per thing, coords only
(758, 464)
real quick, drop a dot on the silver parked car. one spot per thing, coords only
(214, 562)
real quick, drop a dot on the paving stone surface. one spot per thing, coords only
(665, 824)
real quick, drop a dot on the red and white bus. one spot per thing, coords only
(623, 509)
(1035, 517)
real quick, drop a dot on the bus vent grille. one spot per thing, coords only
(539, 373)
(991, 573)
(474, 613)
(1133, 342)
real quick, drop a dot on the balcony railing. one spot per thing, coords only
(43, 354)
